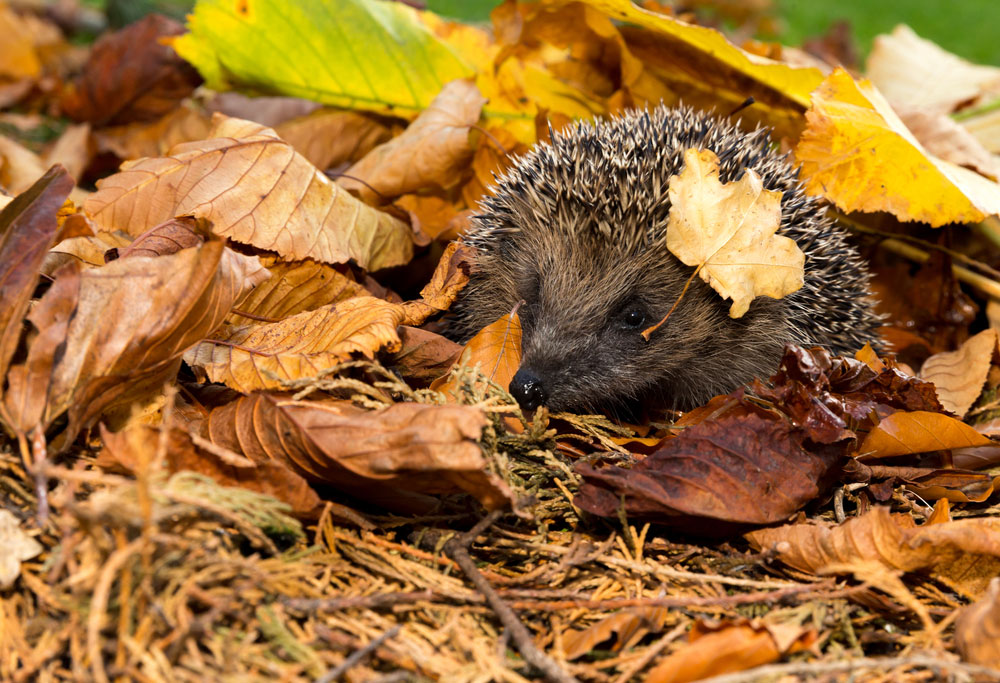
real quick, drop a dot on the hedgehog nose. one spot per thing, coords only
(528, 390)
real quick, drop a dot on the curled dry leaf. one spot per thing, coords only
(111, 335)
(87, 251)
(857, 153)
(728, 232)
(331, 137)
(256, 189)
(918, 75)
(964, 554)
(627, 627)
(131, 76)
(904, 433)
(15, 547)
(496, 349)
(946, 139)
(959, 376)
(263, 356)
(134, 448)
(295, 287)
(27, 228)
(392, 457)
(716, 648)
(168, 238)
(738, 469)
(422, 356)
(977, 629)
(431, 153)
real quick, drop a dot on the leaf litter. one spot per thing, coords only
(237, 447)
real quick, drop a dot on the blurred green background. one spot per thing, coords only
(968, 28)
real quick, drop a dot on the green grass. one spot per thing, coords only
(968, 28)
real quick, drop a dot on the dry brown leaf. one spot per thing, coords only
(393, 457)
(943, 137)
(261, 356)
(109, 336)
(436, 217)
(423, 356)
(919, 431)
(15, 547)
(497, 151)
(19, 166)
(728, 232)
(964, 554)
(959, 376)
(294, 288)
(18, 56)
(715, 648)
(627, 627)
(857, 153)
(917, 74)
(257, 190)
(184, 123)
(331, 137)
(27, 228)
(88, 251)
(432, 151)
(73, 150)
(132, 450)
(496, 350)
(977, 629)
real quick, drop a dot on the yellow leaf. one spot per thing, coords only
(346, 53)
(255, 189)
(857, 153)
(728, 232)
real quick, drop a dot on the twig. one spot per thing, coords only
(357, 656)
(458, 549)
(361, 601)
(813, 669)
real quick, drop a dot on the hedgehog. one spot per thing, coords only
(573, 237)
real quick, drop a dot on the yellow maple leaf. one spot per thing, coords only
(728, 231)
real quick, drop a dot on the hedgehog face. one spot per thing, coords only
(582, 347)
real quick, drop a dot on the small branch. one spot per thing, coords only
(458, 549)
(357, 656)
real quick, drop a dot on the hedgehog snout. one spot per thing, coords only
(528, 389)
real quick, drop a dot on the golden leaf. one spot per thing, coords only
(728, 232)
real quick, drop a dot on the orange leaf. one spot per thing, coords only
(919, 431)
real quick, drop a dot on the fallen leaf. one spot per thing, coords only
(131, 75)
(73, 150)
(111, 335)
(18, 56)
(495, 350)
(627, 627)
(343, 72)
(964, 554)
(134, 448)
(716, 648)
(856, 152)
(946, 139)
(728, 232)
(959, 376)
(422, 356)
(977, 629)
(19, 166)
(918, 75)
(88, 251)
(379, 456)
(261, 356)
(257, 190)
(735, 469)
(905, 433)
(296, 287)
(431, 152)
(27, 228)
(184, 123)
(331, 137)
(15, 547)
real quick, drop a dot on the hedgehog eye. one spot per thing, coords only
(633, 318)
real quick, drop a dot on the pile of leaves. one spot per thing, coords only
(236, 445)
